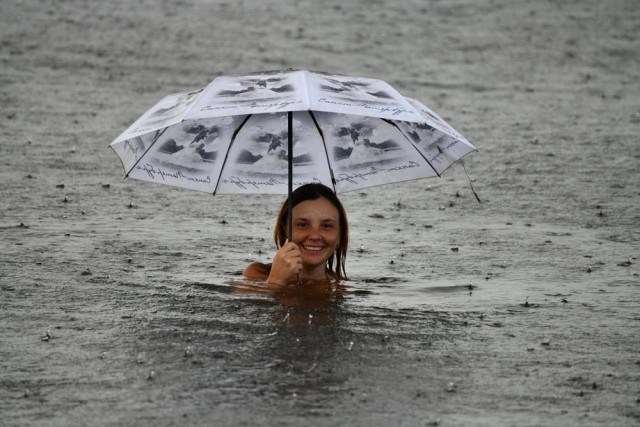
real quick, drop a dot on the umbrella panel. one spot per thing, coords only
(258, 158)
(189, 154)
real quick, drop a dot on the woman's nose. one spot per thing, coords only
(314, 232)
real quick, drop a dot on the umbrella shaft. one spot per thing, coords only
(290, 165)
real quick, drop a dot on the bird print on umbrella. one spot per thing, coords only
(274, 151)
(254, 84)
(203, 136)
(360, 135)
(346, 87)
(274, 140)
(202, 132)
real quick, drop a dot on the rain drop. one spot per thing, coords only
(188, 352)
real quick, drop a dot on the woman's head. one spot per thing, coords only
(315, 205)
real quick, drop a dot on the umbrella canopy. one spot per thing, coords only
(273, 131)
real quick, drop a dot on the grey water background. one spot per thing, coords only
(118, 298)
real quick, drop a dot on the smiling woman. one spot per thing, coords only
(318, 248)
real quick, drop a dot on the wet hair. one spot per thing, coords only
(314, 191)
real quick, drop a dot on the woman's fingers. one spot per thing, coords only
(286, 263)
(289, 257)
(289, 245)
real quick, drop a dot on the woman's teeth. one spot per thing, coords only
(313, 248)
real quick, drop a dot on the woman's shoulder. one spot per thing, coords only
(257, 271)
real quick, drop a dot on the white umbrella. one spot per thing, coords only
(271, 132)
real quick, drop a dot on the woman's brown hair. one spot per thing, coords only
(314, 191)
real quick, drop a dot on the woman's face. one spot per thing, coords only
(316, 230)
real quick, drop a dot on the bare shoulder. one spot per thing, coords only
(257, 271)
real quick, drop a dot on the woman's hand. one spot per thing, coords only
(286, 263)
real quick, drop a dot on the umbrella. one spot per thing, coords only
(272, 131)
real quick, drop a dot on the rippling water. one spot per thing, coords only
(119, 300)
(152, 313)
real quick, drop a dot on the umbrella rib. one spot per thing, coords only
(226, 156)
(146, 151)
(416, 148)
(324, 144)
